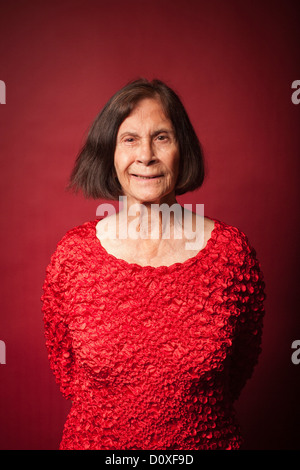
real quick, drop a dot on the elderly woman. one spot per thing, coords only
(150, 340)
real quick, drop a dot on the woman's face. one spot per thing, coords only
(147, 155)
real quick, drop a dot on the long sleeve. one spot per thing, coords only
(250, 290)
(58, 340)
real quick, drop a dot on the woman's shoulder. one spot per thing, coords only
(243, 256)
(232, 238)
(75, 238)
(80, 231)
(234, 232)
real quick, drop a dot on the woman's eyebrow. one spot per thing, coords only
(161, 131)
(153, 134)
(134, 134)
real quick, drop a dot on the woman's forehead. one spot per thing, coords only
(148, 112)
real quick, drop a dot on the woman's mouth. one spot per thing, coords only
(142, 177)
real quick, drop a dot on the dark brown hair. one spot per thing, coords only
(94, 171)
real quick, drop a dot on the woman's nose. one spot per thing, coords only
(145, 152)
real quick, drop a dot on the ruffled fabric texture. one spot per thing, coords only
(153, 357)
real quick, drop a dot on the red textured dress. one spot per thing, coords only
(153, 357)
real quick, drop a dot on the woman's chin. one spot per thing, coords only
(150, 198)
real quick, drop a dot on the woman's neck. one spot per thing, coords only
(151, 220)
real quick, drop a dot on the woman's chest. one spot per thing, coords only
(150, 325)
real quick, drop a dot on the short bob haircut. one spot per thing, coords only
(94, 172)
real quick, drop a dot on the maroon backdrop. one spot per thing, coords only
(233, 64)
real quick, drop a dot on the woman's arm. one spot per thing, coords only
(58, 340)
(247, 343)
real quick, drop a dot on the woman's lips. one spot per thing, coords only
(142, 177)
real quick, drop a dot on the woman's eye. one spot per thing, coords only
(162, 137)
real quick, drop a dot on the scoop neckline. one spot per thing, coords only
(163, 268)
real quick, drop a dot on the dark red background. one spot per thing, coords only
(233, 64)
